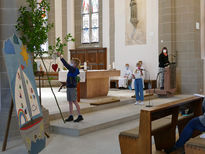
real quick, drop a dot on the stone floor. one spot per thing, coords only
(101, 142)
(94, 121)
(49, 103)
(98, 142)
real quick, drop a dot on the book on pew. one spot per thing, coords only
(199, 95)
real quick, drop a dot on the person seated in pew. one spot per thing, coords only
(139, 92)
(197, 123)
(71, 84)
(125, 77)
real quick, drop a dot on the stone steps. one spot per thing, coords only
(97, 120)
(86, 110)
(105, 118)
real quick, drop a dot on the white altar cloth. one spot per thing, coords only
(62, 75)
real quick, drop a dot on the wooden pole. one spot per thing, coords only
(7, 127)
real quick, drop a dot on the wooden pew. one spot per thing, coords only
(195, 146)
(160, 122)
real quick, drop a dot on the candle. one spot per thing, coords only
(85, 66)
(113, 65)
(109, 67)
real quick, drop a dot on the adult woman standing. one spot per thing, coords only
(163, 62)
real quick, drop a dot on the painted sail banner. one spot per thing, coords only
(24, 93)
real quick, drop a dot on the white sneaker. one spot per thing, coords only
(137, 103)
(141, 103)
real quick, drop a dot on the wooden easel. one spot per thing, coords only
(4, 145)
(7, 127)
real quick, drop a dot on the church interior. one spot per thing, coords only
(102, 76)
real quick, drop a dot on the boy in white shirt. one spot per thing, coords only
(138, 76)
(125, 77)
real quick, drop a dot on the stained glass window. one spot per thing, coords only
(90, 21)
(95, 6)
(85, 6)
(95, 20)
(95, 35)
(86, 35)
(86, 21)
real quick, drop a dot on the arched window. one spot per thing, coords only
(90, 21)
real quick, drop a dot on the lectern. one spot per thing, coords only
(169, 82)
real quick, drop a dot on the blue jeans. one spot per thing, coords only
(187, 132)
(139, 90)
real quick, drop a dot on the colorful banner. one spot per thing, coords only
(24, 93)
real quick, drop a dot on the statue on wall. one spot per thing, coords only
(133, 11)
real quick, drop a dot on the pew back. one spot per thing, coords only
(166, 136)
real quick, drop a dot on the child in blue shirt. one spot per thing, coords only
(71, 84)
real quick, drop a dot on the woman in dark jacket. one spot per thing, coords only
(163, 62)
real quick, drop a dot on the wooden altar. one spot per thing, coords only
(97, 83)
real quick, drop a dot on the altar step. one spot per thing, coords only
(90, 109)
(97, 120)
(105, 118)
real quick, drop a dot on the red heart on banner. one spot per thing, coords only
(22, 67)
(55, 67)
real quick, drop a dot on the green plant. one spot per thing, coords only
(33, 25)
(33, 28)
(59, 46)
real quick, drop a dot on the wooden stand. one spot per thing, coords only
(39, 74)
(195, 146)
(169, 82)
(7, 127)
(4, 145)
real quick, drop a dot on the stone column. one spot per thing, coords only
(177, 31)
(112, 31)
(64, 25)
(8, 16)
(51, 19)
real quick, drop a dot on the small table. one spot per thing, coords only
(195, 146)
(93, 83)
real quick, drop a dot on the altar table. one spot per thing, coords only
(97, 83)
(93, 83)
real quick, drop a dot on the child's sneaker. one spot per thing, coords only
(80, 118)
(137, 103)
(69, 119)
(141, 103)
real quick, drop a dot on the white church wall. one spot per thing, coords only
(148, 52)
(106, 27)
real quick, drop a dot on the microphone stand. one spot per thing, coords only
(149, 86)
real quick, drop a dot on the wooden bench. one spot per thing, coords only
(161, 122)
(195, 146)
